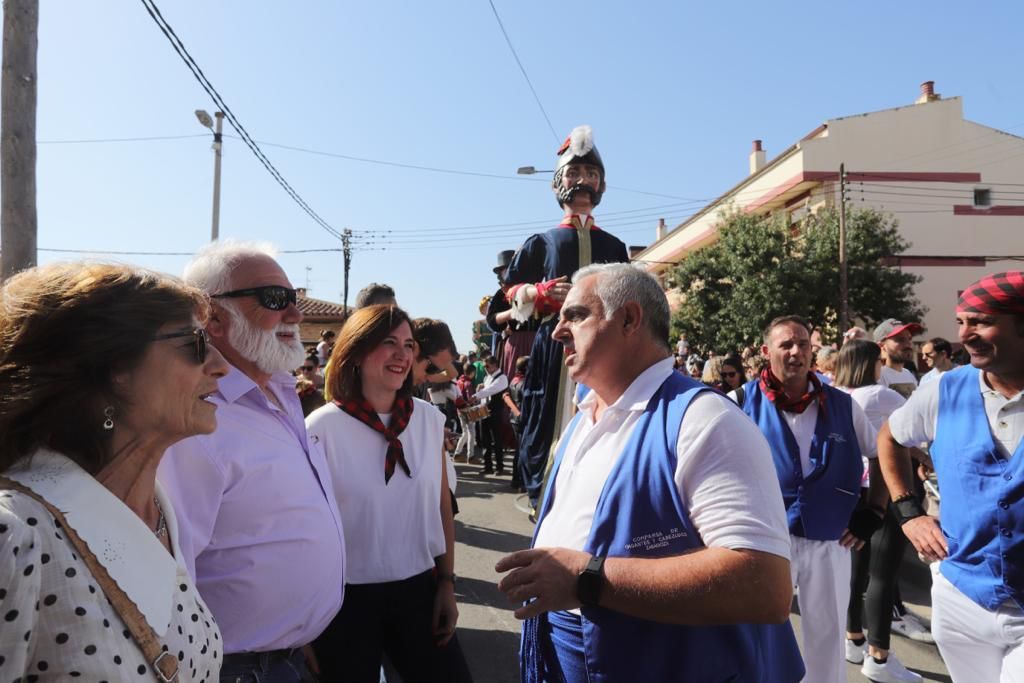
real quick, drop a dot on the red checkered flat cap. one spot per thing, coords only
(994, 294)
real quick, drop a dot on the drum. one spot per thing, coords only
(476, 413)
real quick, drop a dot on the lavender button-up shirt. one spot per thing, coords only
(258, 524)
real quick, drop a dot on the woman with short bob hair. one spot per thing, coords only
(385, 451)
(102, 368)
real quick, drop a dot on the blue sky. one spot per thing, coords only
(675, 92)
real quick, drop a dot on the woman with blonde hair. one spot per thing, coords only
(102, 368)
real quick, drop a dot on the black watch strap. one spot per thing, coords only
(589, 582)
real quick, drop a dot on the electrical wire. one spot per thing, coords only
(523, 70)
(145, 139)
(197, 72)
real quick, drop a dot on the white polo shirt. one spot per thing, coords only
(915, 422)
(724, 475)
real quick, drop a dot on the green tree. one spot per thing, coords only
(762, 266)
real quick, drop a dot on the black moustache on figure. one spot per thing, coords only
(566, 195)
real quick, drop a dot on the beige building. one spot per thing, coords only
(956, 187)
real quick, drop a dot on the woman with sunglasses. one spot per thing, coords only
(102, 367)
(876, 565)
(386, 455)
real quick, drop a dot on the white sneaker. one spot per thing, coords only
(854, 652)
(892, 671)
(912, 626)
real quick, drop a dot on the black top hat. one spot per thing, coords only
(504, 259)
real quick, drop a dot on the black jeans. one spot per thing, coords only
(279, 666)
(876, 567)
(494, 454)
(394, 618)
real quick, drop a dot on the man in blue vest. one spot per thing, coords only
(973, 419)
(817, 435)
(661, 551)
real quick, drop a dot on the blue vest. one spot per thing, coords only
(982, 496)
(640, 514)
(819, 505)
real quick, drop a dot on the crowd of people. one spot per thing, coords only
(189, 492)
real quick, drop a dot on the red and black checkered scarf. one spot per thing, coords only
(994, 294)
(772, 387)
(401, 413)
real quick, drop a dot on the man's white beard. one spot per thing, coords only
(263, 347)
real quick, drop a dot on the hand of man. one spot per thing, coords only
(848, 540)
(446, 612)
(545, 576)
(311, 661)
(558, 289)
(925, 534)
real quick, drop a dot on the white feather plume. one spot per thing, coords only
(581, 140)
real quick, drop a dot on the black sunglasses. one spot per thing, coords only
(432, 369)
(729, 374)
(199, 341)
(274, 297)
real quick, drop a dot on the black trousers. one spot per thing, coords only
(394, 618)
(876, 568)
(494, 450)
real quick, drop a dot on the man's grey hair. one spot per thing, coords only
(618, 283)
(210, 269)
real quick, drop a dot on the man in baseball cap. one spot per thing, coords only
(894, 337)
(973, 420)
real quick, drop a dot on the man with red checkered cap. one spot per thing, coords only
(973, 420)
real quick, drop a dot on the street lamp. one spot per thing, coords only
(205, 120)
(530, 170)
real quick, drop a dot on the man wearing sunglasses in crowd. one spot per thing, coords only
(259, 529)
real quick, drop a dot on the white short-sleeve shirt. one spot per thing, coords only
(55, 622)
(393, 531)
(914, 423)
(724, 475)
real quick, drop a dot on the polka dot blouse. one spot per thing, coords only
(55, 622)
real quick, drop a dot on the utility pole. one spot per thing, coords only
(346, 243)
(844, 292)
(18, 224)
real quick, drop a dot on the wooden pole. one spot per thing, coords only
(844, 293)
(18, 137)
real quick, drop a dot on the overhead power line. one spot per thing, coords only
(142, 139)
(197, 72)
(523, 70)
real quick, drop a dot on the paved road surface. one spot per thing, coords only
(489, 526)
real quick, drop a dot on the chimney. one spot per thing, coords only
(757, 158)
(300, 291)
(928, 93)
(660, 231)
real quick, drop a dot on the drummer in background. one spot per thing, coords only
(494, 384)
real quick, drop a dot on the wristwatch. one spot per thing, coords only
(589, 582)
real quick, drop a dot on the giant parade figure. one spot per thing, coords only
(539, 282)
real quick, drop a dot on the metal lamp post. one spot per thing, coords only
(205, 120)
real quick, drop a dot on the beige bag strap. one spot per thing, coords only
(164, 663)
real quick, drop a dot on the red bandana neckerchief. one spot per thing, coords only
(575, 223)
(772, 387)
(400, 415)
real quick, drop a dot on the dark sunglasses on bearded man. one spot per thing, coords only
(274, 297)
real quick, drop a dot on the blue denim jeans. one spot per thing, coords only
(279, 666)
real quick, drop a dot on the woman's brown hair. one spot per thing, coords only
(365, 329)
(855, 366)
(65, 330)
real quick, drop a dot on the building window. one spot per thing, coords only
(982, 196)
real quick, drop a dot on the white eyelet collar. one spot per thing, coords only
(121, 541)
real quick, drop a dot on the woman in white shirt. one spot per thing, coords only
(385, 452)
(876, 566)
(102, 367)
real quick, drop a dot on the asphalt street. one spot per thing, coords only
(491, 524)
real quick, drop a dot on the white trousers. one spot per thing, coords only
(978, 645)
(468, 438)
(821, 572)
